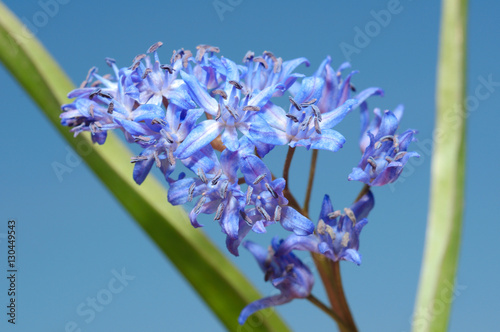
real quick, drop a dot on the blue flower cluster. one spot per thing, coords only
(219, 120)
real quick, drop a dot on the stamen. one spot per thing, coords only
(353, 89)
(223, 189)
(271, 190)
(261, 60)
(308, 103)
(95, 93)
(168, 68)
(136, 159)
(236, 85)
(160, 122)
(185, 58)
(219, 92)
(334, 214)
(105, 95)
(248, 56)
(201, 175)
(154, 47)
(146, 72)
(199, 205)
(316, 126)
(249, 194)
(191, 191)
(270, 54)
(98, 124)
(138, 58)
(95, 84)
(277, 213)
(264, 213)
(246, 218)
(219, 113)
(259, 178)
(305, 124)
(135, 65)
(91, 110)
(317, 112)
(157, 159)
(111, 107)
(93, 128)
(277, 65)
(400, 155)
(345, 240)
(251, 108)
(89, 73)
(321, 228)
(170, 157)
(294, 103)
(372, 162)
(330, 232)
(350, 214)
(232, 111)
(289, 268)
(216, 177)
(294, 119)
(386, 138)
(110, 61)
(218, 213)
(141, 138)
(389, 159)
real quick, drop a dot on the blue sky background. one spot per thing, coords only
(73, 234)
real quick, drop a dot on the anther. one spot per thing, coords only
(264, 213)
(308, 103)
(201, 175)
(350, 214)
(146, 72)
(138, 58)
(219, 92)
(277, 65)
(316, 126)
(168, 68)
(216, 177)
(270, 54)
(199, 205)
(251, 108)
(321, 228)
(170, 157)
(389, 159)
(236, 85)
(159, 121)
(94, 93)
(277, 213)
(249, 195)
(334, 214)
(136, 159)
(191, 191)
(317, 112)
(91, 110)
(353, 88)
(141, 138)
(293, 118)
(400, 155)
(259, 178)
(98, 124)
(305, 124)
(218, 213)
(248, 56)
(271, 190)
(111, 107)
(372, 162)
(157, 159)
(219, 112)
(246, 218)
(345, 240)
(105, 95)
(154, 47)
(261, 61)
(223, 189)
(294, 103)
(232, 111)
(135, 65)
(186, 57)
(110, 61)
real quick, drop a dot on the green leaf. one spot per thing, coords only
(437, 278)
(219, 283)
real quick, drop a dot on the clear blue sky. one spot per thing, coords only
(74, 237)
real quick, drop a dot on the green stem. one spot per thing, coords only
(312, 172)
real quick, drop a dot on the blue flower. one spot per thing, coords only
(304, 125)
(261, 72)
(386, 153)
(337, 235)
(287, 273)
(231, 112)
(265, 204)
